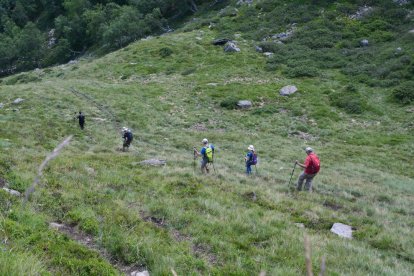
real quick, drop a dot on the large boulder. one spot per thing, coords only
(244, 104)
(231, 47)
(288, 90)
(342, 230)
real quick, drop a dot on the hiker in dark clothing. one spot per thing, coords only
(81, 119)
(250, 159)
(128, 137)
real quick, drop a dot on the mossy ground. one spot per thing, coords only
(173, 217)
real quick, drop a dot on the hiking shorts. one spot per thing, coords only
(204, 163)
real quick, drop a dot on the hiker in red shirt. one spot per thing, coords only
(311, 166)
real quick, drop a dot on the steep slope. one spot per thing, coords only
(173, 91)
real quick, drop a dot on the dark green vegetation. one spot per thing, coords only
(175, 90)
(36, 34)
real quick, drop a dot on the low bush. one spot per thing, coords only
(229, 103)
(165, 52)
(404, 93)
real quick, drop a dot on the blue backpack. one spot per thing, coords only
(254, 158)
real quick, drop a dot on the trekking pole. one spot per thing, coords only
(292, 174)
(194, 158)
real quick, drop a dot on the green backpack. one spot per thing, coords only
(209, 154)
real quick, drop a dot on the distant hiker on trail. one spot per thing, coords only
(81, 119)
(250, 159)
(207, 153)
(128, 137)
(311, 166)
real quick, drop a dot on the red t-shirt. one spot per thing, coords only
(312, 164)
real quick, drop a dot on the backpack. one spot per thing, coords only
(129, 136)
(254, 159)
(316, 164)
(209, 154)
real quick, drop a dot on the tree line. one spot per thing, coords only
(40, 33)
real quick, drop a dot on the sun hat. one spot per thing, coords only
(251, 148)
(124, 129)
(205, 141)
(309, 149)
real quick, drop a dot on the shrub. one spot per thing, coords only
(165, 52)
(302, 71)
(404, 93)
(350, 100)
(229, 103)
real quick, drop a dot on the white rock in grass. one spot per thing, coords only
(12, 192)
(231, 47)
(342, 230)
(140, 273)
(288, 90)
(18, 100)
(54, 225)
(244, 104)
(411, 31)
(1, 105)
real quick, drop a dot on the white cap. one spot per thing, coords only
(124, 129)
(309, 149)
(205, 141)
(251, 148)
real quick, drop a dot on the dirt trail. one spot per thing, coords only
(88, 241)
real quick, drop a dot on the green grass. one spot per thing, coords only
(173, 217)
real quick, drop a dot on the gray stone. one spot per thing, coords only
(401, 2)
(288, 90)
(364, 43)
(244, 2)
(12, 192)
(231, 47)
(411, 31)
(1, 105)
(268, 54)
(342, 230)
(57, 226)
(18, 100)
(244, 104)
(152, 162)
(362, 12)
(300, 225)
(140, 273)
(258, 49)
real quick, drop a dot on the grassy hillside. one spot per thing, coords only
(173, 91)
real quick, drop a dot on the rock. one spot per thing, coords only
(288, 90)
(411, 31)
(361, 13)
(18, 100)
(220, 41)
(268, 54)
(212, 84)
(1, 105)
(244, 2)
(140, 273)
(231, 47)
(90, 170)
(12, 192)
(244, 104)
(401, 2)
(258, 49)
(364, 43)
(152, 162)
(300, 225)
(56, 226)
(198, 38)
(72, 62)
(342, 230)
